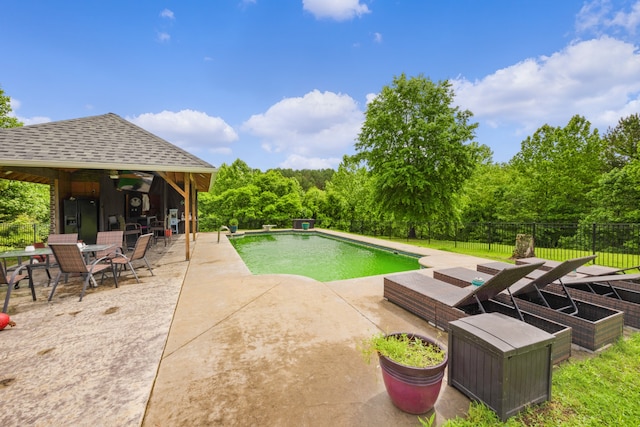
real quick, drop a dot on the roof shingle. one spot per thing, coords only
(96, 142)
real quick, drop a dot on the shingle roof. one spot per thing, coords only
(97, 142)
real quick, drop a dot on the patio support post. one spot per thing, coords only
(187, 211)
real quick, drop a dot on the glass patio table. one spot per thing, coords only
(19, 254)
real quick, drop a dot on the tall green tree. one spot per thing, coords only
(484, 193)
(23, 201)
(616, 198)
(250, 195)
(236, 175)
(622, 143)
(418, 147)
(349, 195)
(554, 170)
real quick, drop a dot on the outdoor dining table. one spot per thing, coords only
(87, 250)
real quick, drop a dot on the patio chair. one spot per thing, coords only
(59, 238)
(587, 270)
(11, 280)
(71, 260)
(131, 229)
(114, 238)
(139, 253)
(616, 291)
(593, 325)
(439, 302)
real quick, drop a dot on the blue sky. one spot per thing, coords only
(286, 83)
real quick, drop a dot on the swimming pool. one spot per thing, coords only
(318, 256)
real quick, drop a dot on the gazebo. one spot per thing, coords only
(126, 171)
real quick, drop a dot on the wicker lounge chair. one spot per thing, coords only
(617, 291)
(139, 253)
(588, 270)
(439, 303)
(71, 260)
(594, 326)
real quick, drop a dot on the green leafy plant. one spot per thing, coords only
(403, 349)
(233, 221)
(427, 422)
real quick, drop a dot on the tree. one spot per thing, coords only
(417, 147)
(554, 170)
(7, 121)
(250, 195)
(483, 195)
(617, 196)
(349, 195)
(309, 178)
(314, 203)
(623, 142)
(236, 175)
(24, 200)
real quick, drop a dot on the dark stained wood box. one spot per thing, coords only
(500, 361)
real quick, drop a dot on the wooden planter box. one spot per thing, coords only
(500, 361)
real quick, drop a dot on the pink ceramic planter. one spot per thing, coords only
(413, 390)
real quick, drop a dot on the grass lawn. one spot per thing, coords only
(599, 391)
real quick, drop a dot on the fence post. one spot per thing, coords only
(455, 237)
(489, 235)
(593, 238)
(35, 232)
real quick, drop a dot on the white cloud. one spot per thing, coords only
(629, 21)
(191, 130)
(377, 37)
(34, 120)
(166, 13)
(596, 78)
(339, 10)
(15, 105)
(295, 161)
(370, 97)
(598, 16)
(163, 37)
(319, 124)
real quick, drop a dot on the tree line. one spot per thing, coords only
(417, 161)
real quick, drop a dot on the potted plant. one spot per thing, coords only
(233, 225)
(412, 368)
(305, 225)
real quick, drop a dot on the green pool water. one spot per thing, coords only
(316, 256)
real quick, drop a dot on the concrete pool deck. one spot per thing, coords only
(205, 342)
(282, 350)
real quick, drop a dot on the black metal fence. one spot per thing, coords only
(615, 244)
(15, 235)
